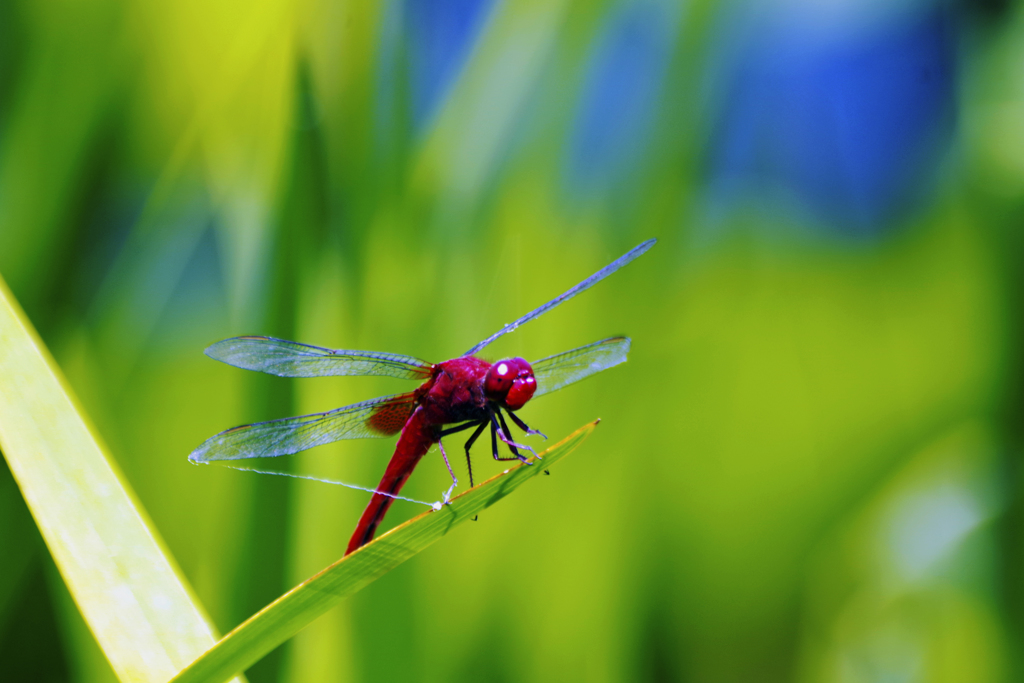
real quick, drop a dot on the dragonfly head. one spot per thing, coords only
(510, 382)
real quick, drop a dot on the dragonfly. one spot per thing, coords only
(457, 395)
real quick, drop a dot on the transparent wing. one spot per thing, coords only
(378, 417)
(583, 286)
(555, 372)
(291, 359)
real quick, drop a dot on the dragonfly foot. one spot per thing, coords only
(513, 444)
(447, 495)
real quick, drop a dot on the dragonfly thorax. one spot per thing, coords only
(510, 382)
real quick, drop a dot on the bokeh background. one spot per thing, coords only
(810, 468)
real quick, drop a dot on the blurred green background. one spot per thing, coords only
(810, 468)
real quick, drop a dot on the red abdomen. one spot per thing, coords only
(417, 438)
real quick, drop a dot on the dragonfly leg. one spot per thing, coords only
(503, 434)
(455, 482)
(458, 428)
(522, 425)
(508, 437)
(469, 444)
(494, 443)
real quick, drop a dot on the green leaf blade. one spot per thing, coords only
(135, 600)
(289, 614)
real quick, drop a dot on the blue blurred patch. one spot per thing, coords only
(618, 103)
(852, 129)
(440, 35)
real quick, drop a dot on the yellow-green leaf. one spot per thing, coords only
(289, 614)
(129, 590)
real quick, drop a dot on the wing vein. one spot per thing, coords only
(568, 294)
(293, 434)
(562, 369)
(292, 359)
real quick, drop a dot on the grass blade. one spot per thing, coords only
(289, 614)
(127, 587)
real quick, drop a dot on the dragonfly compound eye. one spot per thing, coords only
(499, 379)
(523, 385)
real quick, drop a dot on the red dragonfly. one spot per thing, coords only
(467, 392)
